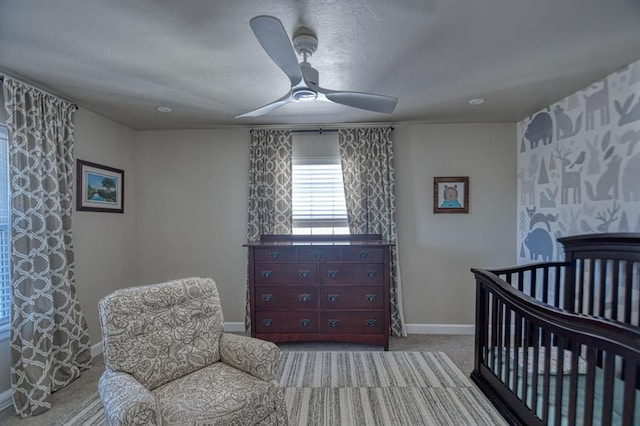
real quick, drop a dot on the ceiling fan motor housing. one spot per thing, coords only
(305, 44)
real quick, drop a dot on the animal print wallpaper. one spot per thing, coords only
(579, 166)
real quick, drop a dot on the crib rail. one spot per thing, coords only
(542, 281)
(605, 276)
(544, 365)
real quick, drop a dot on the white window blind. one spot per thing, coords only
(318, 196)
(318, 193)
(5, 234)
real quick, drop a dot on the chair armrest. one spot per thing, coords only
(254, 356)
(126, 401)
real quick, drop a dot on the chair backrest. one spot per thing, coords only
(160, 332)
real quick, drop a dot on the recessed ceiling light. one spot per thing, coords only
(163, 109)
(477, 101)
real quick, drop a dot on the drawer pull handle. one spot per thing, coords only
(363, 254)
(304, 297)
(267, 322)
(332, 274)
(371, 322)
(303, 273)
(267, 297)
(333, 322)
(274, 254)
(371, 297)
(371, 274)
(318, 255)
(266, 274)
(305, 322)
(333, 297)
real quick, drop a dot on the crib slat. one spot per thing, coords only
(533, 283)
(603, 286)
(507, 344)
(494, 332)
(607, 388)
(545, 285)
(628, 410)
(517, 344)
(615, 285)
(589, 389)
(556, 301)
(590, 291)
(546, 377)
(500, 332)
(534, 379)
(559, 381)
(525, 359)
(628, 291)
(520, 280)
(573, 381)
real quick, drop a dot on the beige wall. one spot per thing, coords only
(437, 250)
(105, 243)
(192, 209)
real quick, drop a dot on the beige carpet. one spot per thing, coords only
(79, 393)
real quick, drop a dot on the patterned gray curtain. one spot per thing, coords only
(49, 338)
(269, 188)
(369, 185)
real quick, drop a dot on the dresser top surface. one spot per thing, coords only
(359, 243)
(319, 240)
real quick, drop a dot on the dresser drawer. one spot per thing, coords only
(276, 254)
(352, 273)
(285, 322)
(286, 297)
(318, 254)
(362, 254)
(351, 322)
(283, 273)
(342, 297)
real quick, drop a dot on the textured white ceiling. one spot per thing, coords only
(121, 58)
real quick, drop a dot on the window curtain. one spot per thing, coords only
(50, 342)
(369, 184)
(269, 210)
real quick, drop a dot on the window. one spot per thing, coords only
(319, 206)
(5, 234)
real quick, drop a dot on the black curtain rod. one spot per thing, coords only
(320, 130)
(45, 91)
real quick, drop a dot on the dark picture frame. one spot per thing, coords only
(99, 188)
(451, 194)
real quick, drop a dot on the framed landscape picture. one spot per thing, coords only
(451, 194)
(99, 188)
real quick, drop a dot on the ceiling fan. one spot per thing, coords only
(304, 78)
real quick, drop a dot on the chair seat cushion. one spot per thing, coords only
(216, 395)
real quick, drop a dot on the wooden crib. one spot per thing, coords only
(558, 343)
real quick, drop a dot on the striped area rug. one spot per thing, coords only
(367, 388)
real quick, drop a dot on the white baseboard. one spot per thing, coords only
(6, 399)
(96, 349)
(440, 328)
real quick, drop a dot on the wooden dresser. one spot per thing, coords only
(320, 288)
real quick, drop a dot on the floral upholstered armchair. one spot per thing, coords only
(168, 361)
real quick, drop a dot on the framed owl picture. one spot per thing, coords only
(451, 194)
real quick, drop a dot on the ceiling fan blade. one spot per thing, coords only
(265, 109)
(274, 40)
(368, 101)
